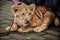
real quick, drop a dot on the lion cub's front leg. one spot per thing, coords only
(43, 26)
(39, 28)
(25, 29)
(13, 27)
(48, 17)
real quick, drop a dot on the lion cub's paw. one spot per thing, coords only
(25, 29)
(8, 29)
(39, 29)
(11, 29)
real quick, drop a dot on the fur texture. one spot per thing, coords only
(31, 18)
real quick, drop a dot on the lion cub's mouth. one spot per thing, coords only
(23, 23)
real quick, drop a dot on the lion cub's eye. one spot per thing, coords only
(23, 14)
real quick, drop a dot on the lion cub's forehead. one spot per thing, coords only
(24, 9)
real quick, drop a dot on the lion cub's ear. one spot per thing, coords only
(14, 8)
(32, 7)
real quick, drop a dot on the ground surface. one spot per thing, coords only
(6, 18)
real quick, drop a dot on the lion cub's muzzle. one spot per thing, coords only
(24, 23)
(27, 22)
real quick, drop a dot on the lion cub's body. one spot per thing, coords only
(31, 18)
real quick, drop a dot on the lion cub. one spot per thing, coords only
(30, 18)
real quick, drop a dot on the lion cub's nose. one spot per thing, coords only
(27, 22)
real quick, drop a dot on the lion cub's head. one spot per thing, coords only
(23, 13)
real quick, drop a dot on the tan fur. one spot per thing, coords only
(39, 18)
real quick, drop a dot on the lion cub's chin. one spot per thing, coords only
(22, 23)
